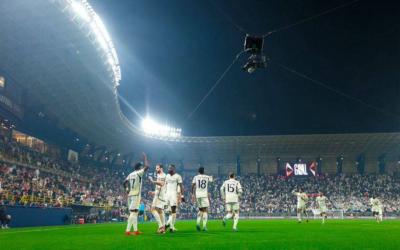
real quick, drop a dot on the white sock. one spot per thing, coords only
(228, 216)
(323, 219)
(173, 220)
(205, 217)
(299, 216)
(235, 220)
(199, 215)
(134, 221)
(169, 219)
(162, 218)
(157, 217)
(130, 221)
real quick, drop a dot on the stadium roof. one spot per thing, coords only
(56, 55)
(311, 146)
(53, 50)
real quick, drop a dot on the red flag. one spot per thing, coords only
(313, 168)
(289, 170)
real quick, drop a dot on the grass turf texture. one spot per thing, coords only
(259, 234)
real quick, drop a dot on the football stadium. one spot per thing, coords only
(214, 124)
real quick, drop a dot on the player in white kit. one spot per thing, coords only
(157, 206)
(376, 208)
(302, 199)
(133, 185)
(321, 205)
(231, 191)
(200, 196)
(174, 188)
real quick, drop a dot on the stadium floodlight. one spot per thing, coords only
(153, 128)
(83, 10)
(80, 10)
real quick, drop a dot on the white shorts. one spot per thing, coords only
(133, 202)
(377, 210)
(157, 203)
(323, 210)
(301, 207)
(232, 206)
(172, 200)
(203, 202)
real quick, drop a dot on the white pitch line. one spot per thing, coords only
(39, 230)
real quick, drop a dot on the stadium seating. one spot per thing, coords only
(28, 178)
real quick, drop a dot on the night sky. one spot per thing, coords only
(172, 51)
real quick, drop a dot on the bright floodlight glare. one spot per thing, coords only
(83, 9)
(153, 128)
(80, 10)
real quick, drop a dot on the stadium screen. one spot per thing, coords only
(300, 169)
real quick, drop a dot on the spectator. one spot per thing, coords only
(5, 219)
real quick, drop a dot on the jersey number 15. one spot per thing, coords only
(231, 188)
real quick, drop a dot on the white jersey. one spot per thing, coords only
(231, 190)
(172, 183)
(321, 201)
(376, 204)
(201, 181)
(159, 192)
(302, 199)
(135, 182)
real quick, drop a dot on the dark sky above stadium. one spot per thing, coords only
(172, 52)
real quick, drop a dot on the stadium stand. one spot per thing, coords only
(29, 178)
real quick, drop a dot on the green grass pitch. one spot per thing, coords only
(257, 234)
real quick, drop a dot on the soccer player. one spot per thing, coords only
(231, 191)
(133, 185)
(302, 199)
(173, 181)
(321, 205)
(200, 196)
(376, 208)
(157, 207)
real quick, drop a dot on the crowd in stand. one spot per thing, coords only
(30, 178)
(270, 195)
(33, 179)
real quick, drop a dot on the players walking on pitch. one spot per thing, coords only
(158, 204)
(231, 191)
(169, 192)
(376, 208)
(321, 205)
(302, 199)
(133, 185)
(173, 182)
(200, 196)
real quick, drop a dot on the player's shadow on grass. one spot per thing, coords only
(210, 233)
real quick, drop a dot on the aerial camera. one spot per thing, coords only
(253, 45)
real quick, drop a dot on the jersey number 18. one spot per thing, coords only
(201, 184)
